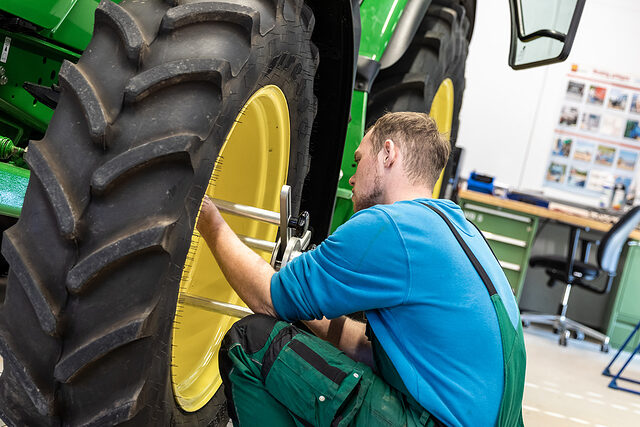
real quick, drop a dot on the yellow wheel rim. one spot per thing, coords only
(251, 169)
(442, 113)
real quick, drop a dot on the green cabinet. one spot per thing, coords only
(626, 307)
(510, 235)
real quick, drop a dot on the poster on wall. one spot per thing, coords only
(596, 141)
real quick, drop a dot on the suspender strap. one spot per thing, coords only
(476, 264)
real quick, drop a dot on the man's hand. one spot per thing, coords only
(247, 273)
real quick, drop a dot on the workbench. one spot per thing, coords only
(510, 228)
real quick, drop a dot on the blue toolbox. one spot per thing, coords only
(480, 183)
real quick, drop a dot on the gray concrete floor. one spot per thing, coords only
(564, 385)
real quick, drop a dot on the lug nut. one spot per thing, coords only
(3, 80)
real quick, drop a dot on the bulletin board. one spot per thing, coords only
(596, 141)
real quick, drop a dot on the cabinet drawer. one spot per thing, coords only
(502, 223)
(509, 254)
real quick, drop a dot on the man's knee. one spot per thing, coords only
(251, 332)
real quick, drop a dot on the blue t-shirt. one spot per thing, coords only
(425, 302)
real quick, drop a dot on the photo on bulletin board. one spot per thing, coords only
(635, 103)
(627, 160)
(584, 151)
(598, 180)
(590, 122)
(562, 147)
(632, 130)
(618, 99)
(575, 91)
(577, 177)
(612, 125)
(569, 116)
(605, 155)
(596, 95)
(555, 172)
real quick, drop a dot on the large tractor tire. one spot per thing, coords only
(429, 77)
(170, 100)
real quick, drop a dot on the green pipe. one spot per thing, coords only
(12, 190)
(8, 149)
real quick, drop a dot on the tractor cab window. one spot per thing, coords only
(542, 31)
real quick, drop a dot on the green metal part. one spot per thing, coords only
(67, 22)
(355, 131)
(379, 20)
(8, 149)
(29, 60)
(14, 185)
(44, 13)
(75, 29)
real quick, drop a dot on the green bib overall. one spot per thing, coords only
(275, 374)
(513, 350)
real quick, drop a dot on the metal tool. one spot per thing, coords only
(294, 238)
(215, 306)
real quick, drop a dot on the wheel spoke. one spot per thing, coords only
(215, 306)
(248, 211)
(263, 245)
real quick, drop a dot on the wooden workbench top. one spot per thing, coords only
(554, 214)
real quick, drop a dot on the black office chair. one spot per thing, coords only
(571, 271)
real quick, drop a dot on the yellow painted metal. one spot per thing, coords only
(251, 169)
(442, 113)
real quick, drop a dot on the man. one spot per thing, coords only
(442, 336)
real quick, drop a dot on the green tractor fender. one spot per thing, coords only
(62, 21)
(44, 13)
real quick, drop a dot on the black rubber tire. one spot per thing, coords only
(5, 223)
(437, 52)
(96, 257)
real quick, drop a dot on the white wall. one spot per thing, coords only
(507, 116)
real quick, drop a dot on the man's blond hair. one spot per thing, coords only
(425, 151)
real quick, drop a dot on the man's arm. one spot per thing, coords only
(247, 273)
(346, 334)
(250, 276)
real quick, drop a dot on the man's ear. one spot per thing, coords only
(390, 150)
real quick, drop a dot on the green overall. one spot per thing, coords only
(276, 374)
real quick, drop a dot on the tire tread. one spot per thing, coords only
(128, 29)
(133, 243)
(73, 80)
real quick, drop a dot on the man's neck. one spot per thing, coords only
(408, 193)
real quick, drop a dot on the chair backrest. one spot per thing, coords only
(612, 242)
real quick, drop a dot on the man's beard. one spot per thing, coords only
(371, 199)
